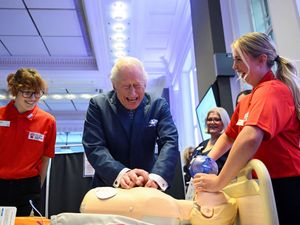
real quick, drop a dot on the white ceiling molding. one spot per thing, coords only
(63, 63)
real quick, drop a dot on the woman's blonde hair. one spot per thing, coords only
(186, 155)
(256, 44)
(25, 78)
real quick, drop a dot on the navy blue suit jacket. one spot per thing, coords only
(109, 148)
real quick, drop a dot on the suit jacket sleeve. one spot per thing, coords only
(167, 144)
(95, 145)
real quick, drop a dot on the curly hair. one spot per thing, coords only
(25, 78)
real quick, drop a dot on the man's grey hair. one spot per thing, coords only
(123, 62)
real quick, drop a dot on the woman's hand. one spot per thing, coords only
(206, 182)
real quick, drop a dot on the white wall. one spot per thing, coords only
(298, 6)
(237, 20)
(285, 17)
(181, 62)
(286, 26)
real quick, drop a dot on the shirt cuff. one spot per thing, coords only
(117, 180)
(159, 180)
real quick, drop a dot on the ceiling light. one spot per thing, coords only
(86, 96)
(119, 6)
(119, 46)
(119, 11)
(119, 15)
(119, 37)
(57, 97)
(120, 54)
(2, 97)
(119, 27)
(70, 96)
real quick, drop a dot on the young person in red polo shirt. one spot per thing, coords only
(27, 140)
(265, 125)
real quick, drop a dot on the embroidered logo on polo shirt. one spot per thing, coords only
(246, 116)
(241, 122)
(36, 136)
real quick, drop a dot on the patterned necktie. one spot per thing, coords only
(131, 114)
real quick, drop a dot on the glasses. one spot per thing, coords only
(216, 120)
(28, 94)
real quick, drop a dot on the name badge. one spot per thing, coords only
(36, 136)
(4, 123)
(240, 122)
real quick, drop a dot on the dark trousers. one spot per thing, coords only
(18, 193)
(287, 197)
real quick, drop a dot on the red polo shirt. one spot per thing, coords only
(271, 107)
(24, 139)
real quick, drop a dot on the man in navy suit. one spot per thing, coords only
(122, 128)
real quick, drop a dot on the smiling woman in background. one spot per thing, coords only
(216, 121)
(27, 140)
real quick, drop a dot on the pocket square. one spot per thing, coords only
(152, 123)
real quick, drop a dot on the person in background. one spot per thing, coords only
(187, 156)
(27, 141)
(122, 128)
(264, 126)
(216, 121)
(241, 95)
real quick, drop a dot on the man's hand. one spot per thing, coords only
(133, 178)
(151, 184)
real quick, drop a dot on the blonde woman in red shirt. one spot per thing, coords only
(265, 125)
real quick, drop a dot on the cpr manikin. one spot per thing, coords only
(154, 206)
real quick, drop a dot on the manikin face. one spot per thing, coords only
(26, 100)
(214, 124)
(130, 86)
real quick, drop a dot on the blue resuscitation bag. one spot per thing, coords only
(203, 164)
